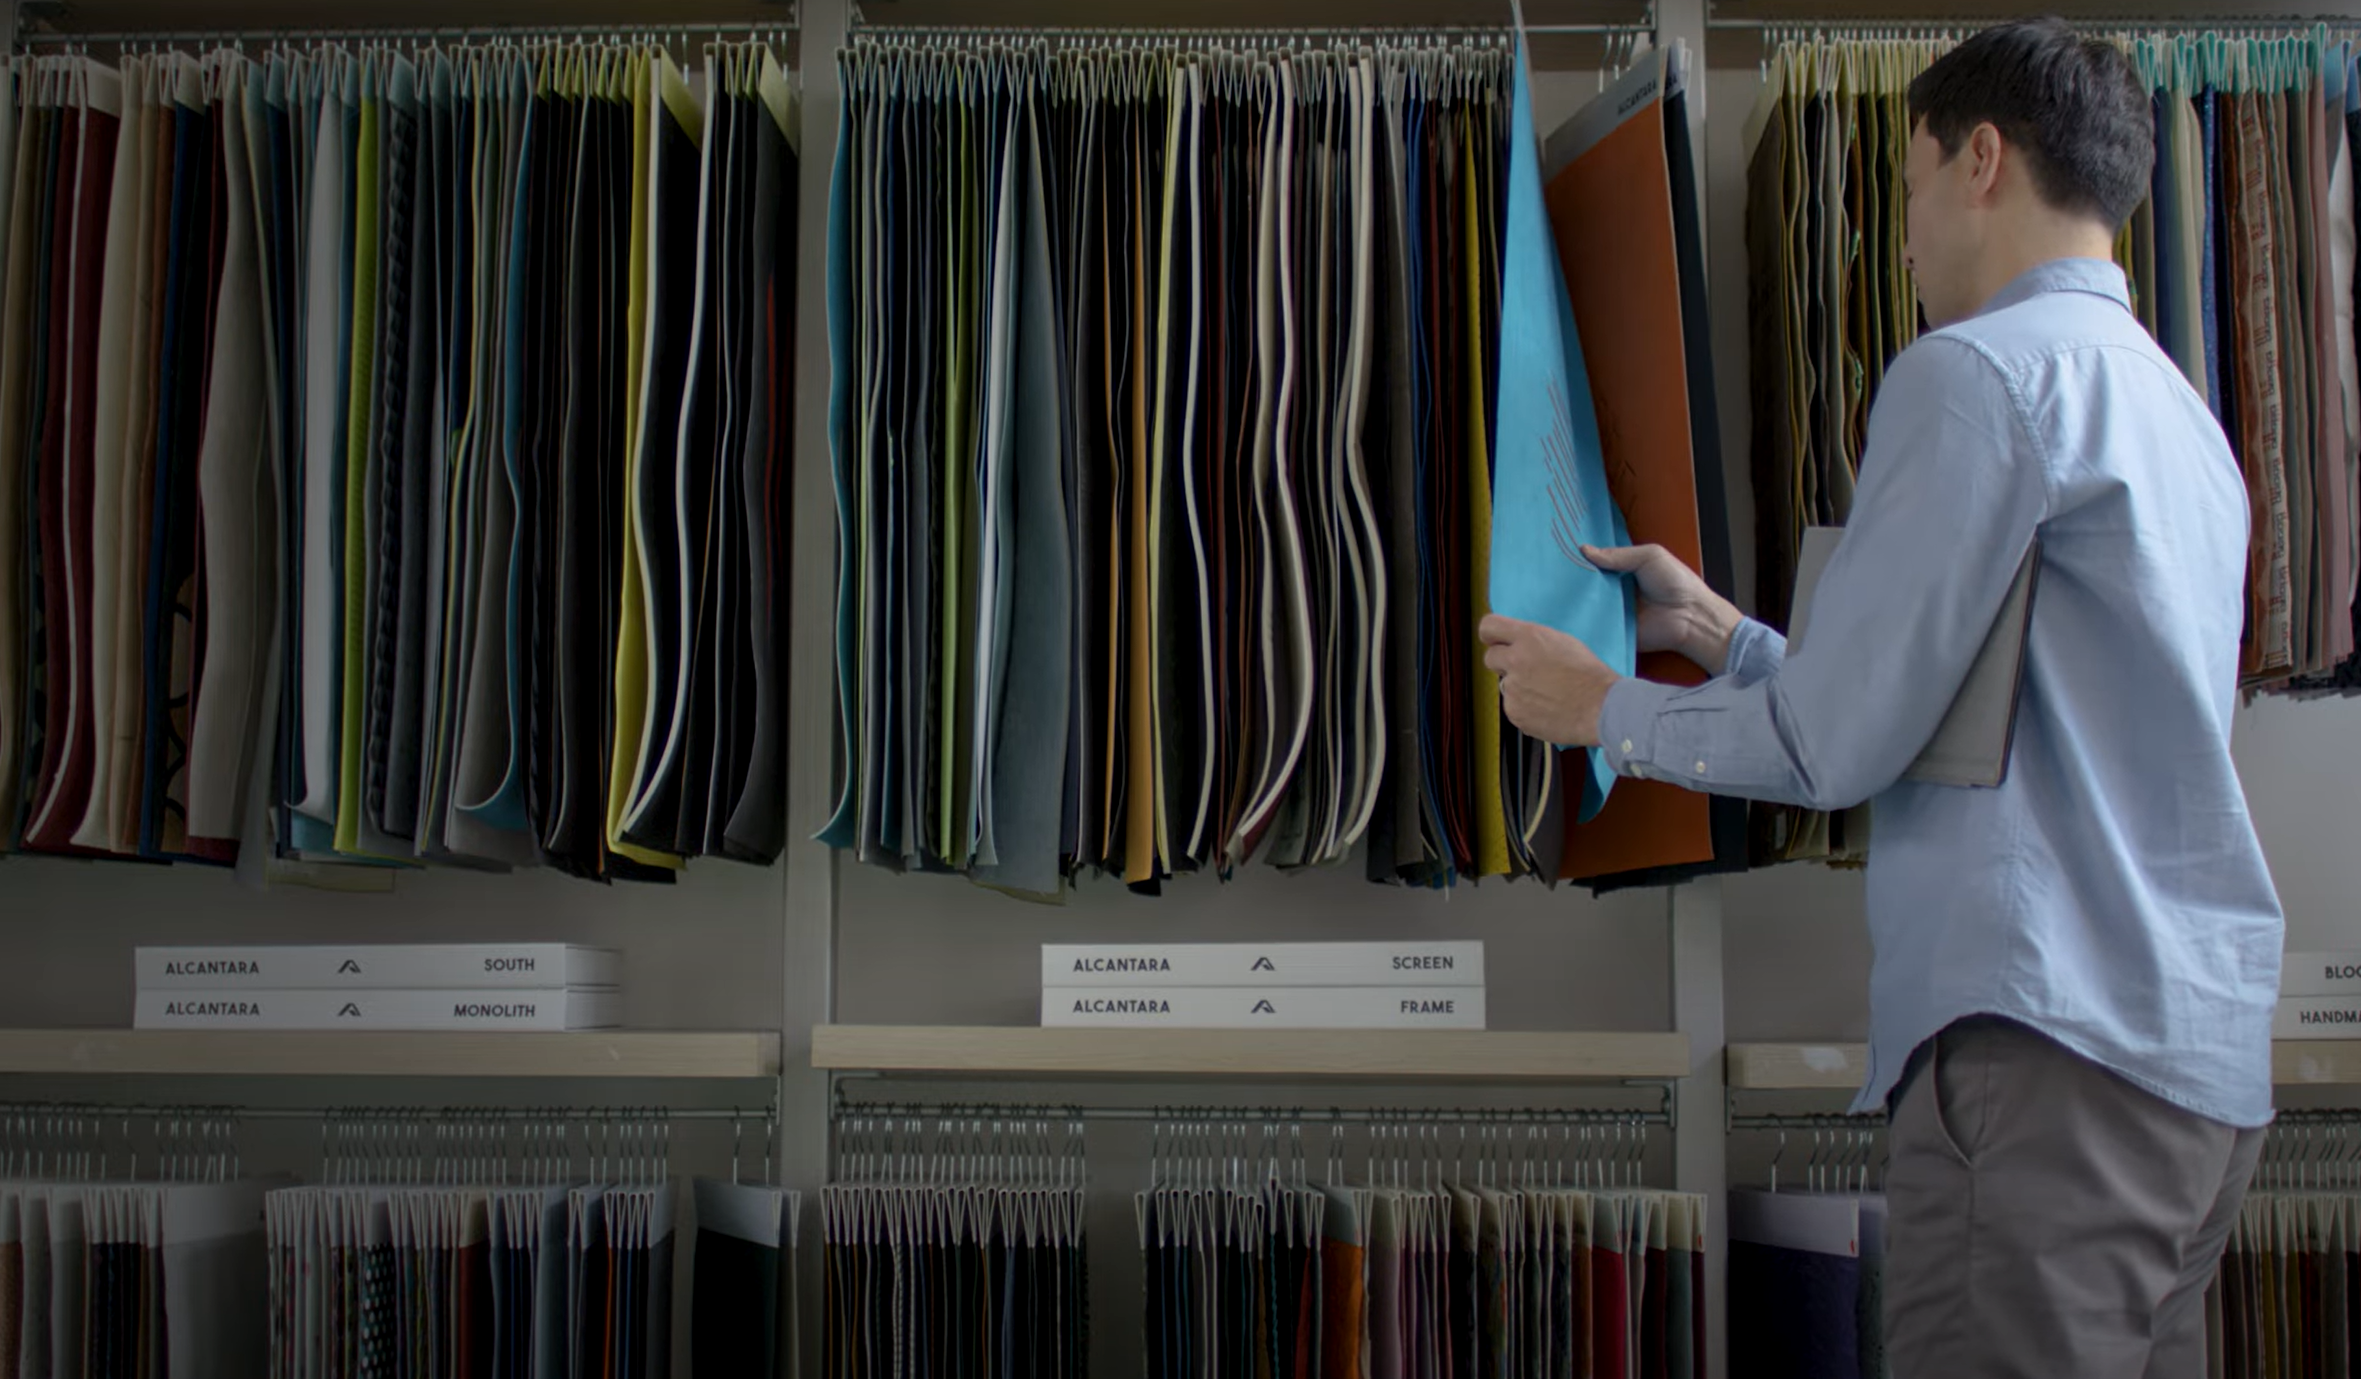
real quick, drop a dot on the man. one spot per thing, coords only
(2072, 993)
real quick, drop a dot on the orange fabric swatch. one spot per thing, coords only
(1611, 210)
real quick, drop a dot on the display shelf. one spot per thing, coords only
(1796, 1067)
(1376, 1055)
(1843, 1067)
(243, 1053)
(2316, 1062)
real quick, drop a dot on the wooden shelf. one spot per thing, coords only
(1796, 1067)
(1843, 1067)
(244, 1053)
(2316, 1062)
(1376, 1055)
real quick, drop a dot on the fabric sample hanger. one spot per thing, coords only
(26, 151)
(415, 451)
(843, 828)
(33, 720)
(131, 208)
(385, 536)
(676, 427)
(1553, 481)
(1641, 305)
(1026, 780)
(96, 108)
(756, 826)
(487, 815)
(325, 413)
(238, 497)
(661, 152)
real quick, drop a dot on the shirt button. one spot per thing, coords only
(1627, 746)
(1701, 768)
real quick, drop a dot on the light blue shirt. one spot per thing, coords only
(2110, 892)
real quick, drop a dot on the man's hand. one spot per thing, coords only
(1678, 611)
(1551, 686)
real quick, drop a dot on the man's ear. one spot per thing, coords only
(1986, 153)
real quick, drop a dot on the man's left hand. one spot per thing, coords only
(1551, 686)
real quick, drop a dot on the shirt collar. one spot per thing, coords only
(2096, 276)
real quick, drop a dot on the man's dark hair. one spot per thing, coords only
(2072, 105)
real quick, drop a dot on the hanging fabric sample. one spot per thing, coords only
(1163, 426)
(23, 117)
(394, 449)
(2286, 1299)
(1550, 496)
(1232, 1273)
(1805, 1284)
(1829, 305)
(103, 1276)
(744, 1276)
(1514, 1263)
(726, 574)
(459, 1247)
(2250, 215)
(78, 105)
(983, 1271)
(2240, 262)
(1632, 261)
(1445, 258)
(1728, 817)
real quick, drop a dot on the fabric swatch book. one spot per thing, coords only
(1619, 185)
(1264, 1007)
(1430, 962)
(1971, 746)
(510, 1010)
(395, 966)
(2316, 1017)
(2320, 974)
(1551, 492)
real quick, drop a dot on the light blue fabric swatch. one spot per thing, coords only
(1549, 484)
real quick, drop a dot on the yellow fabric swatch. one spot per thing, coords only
(959, 214)
(631, 624)
(356, 470)
(1139, 844)
(1491, 819)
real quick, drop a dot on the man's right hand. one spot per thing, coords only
(1678, 611)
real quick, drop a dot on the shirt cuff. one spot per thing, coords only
(1627, 724)
(1755, 652)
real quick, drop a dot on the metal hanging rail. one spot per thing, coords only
(1874, 26)
(520, 33)
(1405, 31)
(1821, 1120)
(420, 1144)
(2318, 1117)
(861, 27)
(2285, 1124)
(2286, 1121)
(870, 1138)
(2311, 1149)
(52, 1112)
(848, 1108)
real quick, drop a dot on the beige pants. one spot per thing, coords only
(2049, 1218)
